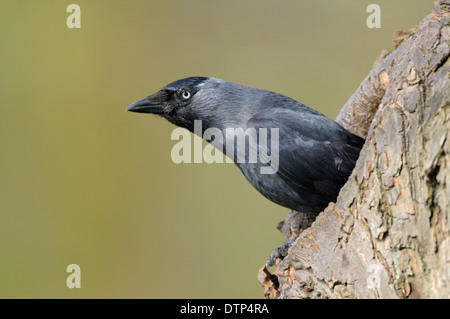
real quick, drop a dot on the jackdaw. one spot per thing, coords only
(314, 154)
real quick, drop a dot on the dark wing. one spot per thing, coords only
(316, 155)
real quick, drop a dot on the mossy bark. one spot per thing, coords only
(387, 235)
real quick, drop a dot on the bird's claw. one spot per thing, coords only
(279, 252)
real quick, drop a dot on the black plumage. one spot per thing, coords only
(316, 154)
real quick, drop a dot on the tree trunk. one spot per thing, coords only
(387, 235)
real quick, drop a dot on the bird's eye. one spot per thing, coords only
(185, 95)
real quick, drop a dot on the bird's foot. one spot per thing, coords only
(279, 252)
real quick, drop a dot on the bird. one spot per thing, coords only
(315, 155)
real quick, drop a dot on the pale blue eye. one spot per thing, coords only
(186, 95)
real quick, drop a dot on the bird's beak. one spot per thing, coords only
(146, 106)
(154, 103)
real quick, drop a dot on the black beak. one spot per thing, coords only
(145, 106)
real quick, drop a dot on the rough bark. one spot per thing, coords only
(387, 235)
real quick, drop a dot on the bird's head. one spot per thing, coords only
(216, 102)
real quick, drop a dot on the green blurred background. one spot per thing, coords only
(82, 181)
